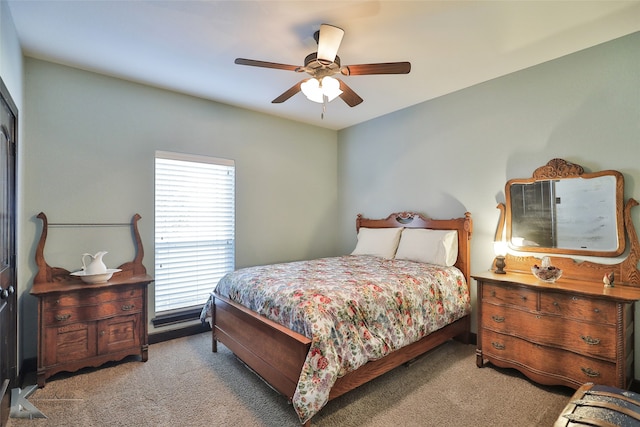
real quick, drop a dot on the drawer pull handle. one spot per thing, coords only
(128, 307)
(497, 345)
(556, 304)
(590, 372)
(497, 319)
(62, 317)
(589, 340)
(596, 310)
(493, 293)
(523, 298)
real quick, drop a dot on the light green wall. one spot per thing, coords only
(455, 153)
(87, 131)
(10, 55)
(89, 154)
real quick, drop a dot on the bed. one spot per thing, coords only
(312, 340)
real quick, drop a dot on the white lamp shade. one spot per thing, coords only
(311, 89)
(331, 88)
(500, 248)
(315, 90)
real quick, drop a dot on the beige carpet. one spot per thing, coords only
(185, 384)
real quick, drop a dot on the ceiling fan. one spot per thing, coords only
(322, 65)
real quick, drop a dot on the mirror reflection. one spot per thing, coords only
(576, 214)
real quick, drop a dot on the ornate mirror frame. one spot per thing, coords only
(563, 210)
(626, 271)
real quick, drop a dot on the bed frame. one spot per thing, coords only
(277, 354)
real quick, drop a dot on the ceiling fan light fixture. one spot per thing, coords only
(311, 89)
(331, 88)
(315, 90)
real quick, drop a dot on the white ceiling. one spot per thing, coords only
(190, 46)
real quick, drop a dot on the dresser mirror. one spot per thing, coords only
(563, 210)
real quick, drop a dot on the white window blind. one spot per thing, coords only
(194, 227)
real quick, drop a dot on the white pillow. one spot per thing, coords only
(429, 246)
(380, 242)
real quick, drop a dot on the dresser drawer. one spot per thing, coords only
(554, 363)
(589, 339)
(90, 297)
(510, 295)
(83, 313)
(576, 307)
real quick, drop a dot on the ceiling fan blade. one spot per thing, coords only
(348, 95)
(265, 64)
(288, 93)
(329, 40)
(382, 68)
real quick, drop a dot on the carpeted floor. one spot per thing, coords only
(185, 384)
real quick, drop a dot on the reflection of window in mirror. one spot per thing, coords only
(586, 213)
(532, 210)
(573, 213)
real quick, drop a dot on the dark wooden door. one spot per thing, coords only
(8, 286)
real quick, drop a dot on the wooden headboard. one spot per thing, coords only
(463, 225)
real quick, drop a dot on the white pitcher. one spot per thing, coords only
(96, 266)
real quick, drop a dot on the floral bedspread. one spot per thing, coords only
(353, 308)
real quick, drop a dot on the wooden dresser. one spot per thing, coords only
(567, 333)
(82, 325)
(576, 330)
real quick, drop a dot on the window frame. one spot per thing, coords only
(184, 314)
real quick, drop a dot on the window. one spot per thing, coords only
(194, 228)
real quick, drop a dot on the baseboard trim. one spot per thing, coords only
(28, 366)
(178, 333)
(473, 339)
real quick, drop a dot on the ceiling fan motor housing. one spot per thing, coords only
(319, 68)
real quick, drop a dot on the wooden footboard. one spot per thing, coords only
(375, 368)
(271, 350)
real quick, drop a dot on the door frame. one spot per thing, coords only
(10, 292)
